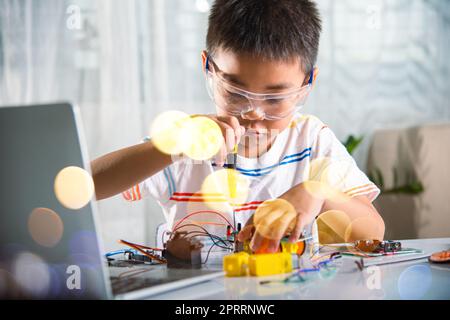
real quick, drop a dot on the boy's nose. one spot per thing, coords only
(253, 114)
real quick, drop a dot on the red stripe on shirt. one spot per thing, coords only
(249, 203)
(126, 195)
(197, 194)
(247, 208)
(198, 200)
(138, 192)
(214, 200)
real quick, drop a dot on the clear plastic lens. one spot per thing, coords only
(236, 101)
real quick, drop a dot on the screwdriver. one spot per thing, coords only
(232, 183)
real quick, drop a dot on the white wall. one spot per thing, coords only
(383, 64)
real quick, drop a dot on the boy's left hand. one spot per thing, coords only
(288, 214)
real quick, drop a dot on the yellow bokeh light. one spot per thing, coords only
(364, 228)
(317, 167)
(168, 132)
(320, 190)
(74, 187)
(175, 132)
(327, 177)
(229, 186)
(205, 138)
(302, 118)
(45, 227)
(206, 214)
(332, 226)
(336, 173)
(32, 274)
(216, 202)
(274, 217)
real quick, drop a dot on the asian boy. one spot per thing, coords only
(259, 64)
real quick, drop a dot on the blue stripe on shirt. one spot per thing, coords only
(174, 189)
(244, 172)
(278, 164)
(168, 182)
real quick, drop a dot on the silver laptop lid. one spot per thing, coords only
(47, 250)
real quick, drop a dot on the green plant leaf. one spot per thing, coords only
(352, 143)
(395, 177)
(380, 178)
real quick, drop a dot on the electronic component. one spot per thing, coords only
(182, 251)
(128, 257)
(136, 255)
(389, 246)
(238, 246)
(378, 246)
(229, 233)
(139, 257)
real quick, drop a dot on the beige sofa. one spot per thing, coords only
(423, 153)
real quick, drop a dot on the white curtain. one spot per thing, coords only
(382, 64)
(29, 50)
(122, 64)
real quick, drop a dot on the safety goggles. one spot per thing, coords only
(253, 106)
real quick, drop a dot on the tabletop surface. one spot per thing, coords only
(417, 279)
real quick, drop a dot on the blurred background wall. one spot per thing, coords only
(383, 64)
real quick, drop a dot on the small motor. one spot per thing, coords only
(182, 251)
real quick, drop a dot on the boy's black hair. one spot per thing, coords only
(270, 29)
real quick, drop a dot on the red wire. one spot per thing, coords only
(203, 211)
(141, 246)
(191, 224)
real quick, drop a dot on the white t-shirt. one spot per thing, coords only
(306, 150)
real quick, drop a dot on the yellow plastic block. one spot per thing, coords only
(270, 263)
(236, 264)
(289, 247)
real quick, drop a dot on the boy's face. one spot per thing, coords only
(257, 75)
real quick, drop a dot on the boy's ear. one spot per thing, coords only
(315, 74)
(204, 56)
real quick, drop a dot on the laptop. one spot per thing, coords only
(47, 250)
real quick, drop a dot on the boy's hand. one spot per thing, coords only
(288, 214)
(232, 132)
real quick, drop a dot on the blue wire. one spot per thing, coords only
(319, 265)
(113, 253)
(308, 270)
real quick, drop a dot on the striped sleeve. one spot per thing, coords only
(332, 164)
(160, 186)
(133, 194)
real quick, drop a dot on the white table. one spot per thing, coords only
(416, 279)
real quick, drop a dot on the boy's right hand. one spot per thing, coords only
(232, 132)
